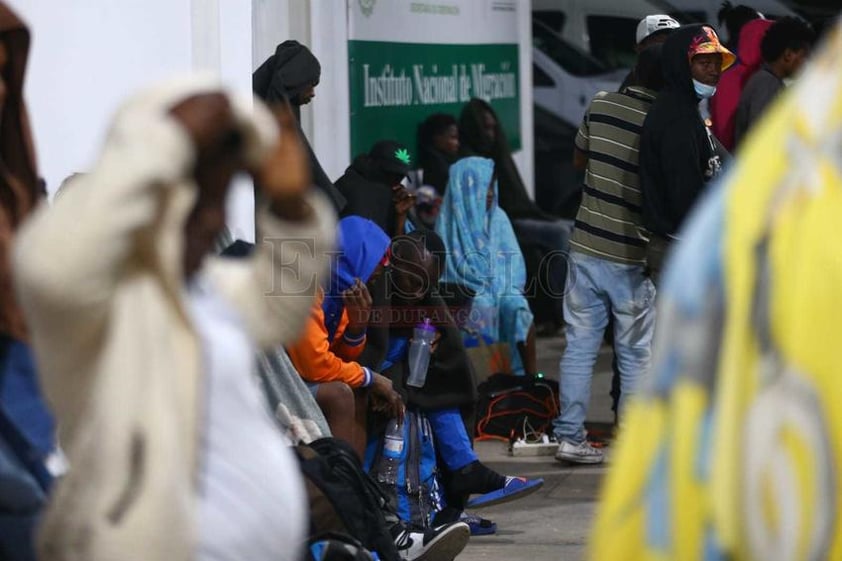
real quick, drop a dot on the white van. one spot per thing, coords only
(604, 28)
(706, 11)
(564, 77)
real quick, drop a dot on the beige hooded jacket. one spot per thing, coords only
(99, 278)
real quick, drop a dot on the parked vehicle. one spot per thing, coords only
(566, 78)
(603, 28)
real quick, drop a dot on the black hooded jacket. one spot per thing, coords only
(512, 194)
(678, 153)
(367, 195)
(280, 79)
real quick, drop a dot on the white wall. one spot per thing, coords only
(89, 55)
(525, 158)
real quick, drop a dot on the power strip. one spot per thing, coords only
(521, 448)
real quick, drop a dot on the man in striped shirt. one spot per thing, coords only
(607, 256)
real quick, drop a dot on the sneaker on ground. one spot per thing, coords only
(582, 453)
(443, 543)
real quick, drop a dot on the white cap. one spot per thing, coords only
(651, 24)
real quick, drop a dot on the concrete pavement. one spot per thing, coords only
(552, 524)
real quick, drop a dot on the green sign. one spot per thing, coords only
(395, 86)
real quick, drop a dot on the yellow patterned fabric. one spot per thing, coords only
(733, 450)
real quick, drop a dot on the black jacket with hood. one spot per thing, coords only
(678, 153)
(280, 79)
(367, 195)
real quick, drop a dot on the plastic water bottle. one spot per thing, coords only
(419, 353)
(387, 471)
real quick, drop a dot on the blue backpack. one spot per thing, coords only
(416, 495)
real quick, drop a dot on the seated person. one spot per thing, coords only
(372, 186)
(426, 209)
(541, 235)
(335, 335)
(438, 148)
(483, 255)
(450, 388)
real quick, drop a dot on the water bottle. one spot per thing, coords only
(387, 471)
(419, 353)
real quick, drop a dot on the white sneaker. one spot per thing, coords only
(582, 453)
(435, 544)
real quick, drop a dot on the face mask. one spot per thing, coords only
(703, 90)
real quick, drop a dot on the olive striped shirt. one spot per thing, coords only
(609, 223)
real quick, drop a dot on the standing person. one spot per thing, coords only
(438, 148)
(290, 76)
(483, 255)
(27, 427)
(785, 47)
(146, 347)
(734, 18)
(607, 257)
(651, 30)
(372, 186)
(679, 155)
(723, 105)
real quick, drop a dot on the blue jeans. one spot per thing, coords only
(595, 288)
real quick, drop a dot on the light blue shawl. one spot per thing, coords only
(483, 254)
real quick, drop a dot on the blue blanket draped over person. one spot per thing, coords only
(483, 255)
(353, 261)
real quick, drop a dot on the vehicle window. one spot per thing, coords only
(554, 19)
(612, 40)
(541, 79)
(573, 60)
(690, 16)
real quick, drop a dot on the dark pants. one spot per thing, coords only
(656, 254)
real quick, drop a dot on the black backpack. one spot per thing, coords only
(509, 403)
(343, 498)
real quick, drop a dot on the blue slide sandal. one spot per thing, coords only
(515, 488)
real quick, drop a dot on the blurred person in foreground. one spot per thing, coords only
(784, 49)
(27, 427)
(679, 155)
(146, 346)
(733, 449)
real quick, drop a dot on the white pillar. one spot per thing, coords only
(525, 158)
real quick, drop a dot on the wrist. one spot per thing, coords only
(354, 336)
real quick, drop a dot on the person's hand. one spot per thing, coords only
(357, 301)
(385, 399)
(209, 121)
(435, 344)
(284, 177)
(402, 199)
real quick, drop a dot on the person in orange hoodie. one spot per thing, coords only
(335, 336)
(723, 105)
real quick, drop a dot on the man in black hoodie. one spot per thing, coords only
(678, 153)
(290, 76)
(372, 186)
